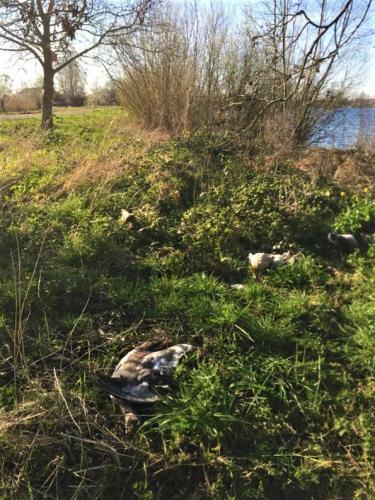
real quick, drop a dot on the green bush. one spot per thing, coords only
(359, 214)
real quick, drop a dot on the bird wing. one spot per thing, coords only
(165, 360)
(132, 361)
(137, 393)
(128, 363)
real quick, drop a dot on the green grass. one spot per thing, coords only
(276, 401)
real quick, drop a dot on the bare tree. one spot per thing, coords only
(301, 51)
(45, 30)
(5, 89)
(71, 83)
(173, 77)
(103, 95)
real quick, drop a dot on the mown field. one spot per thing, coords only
(278, 400)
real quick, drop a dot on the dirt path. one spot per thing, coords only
(56, 111)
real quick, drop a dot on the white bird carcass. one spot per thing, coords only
(260, 261)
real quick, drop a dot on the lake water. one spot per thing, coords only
(348, 127)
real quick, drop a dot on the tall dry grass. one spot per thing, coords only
(16, 103)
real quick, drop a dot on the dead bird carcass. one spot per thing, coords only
(143, 375)
(348, 243)
(261, 260)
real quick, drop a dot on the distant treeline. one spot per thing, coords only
(336, 101)
(359, 102)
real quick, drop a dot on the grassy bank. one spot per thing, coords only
(278, 400)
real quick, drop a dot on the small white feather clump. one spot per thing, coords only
(127, 218)
(238, 286)
(260, 261)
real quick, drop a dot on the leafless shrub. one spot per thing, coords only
(24, 101)
(71, 84)
(102, 96)
(173, 77)
(302, 54)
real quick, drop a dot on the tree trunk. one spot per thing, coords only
(47, 111)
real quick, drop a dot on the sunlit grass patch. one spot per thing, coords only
(276, 399)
